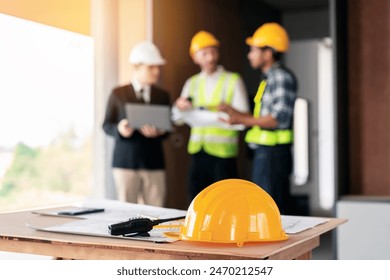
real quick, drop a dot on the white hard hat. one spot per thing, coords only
(146, 53)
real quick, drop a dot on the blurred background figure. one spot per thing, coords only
(138, 160)
(270, 135)
(213, 150)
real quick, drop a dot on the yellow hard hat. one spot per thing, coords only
(233, 211)
(270, 35)
(203, 39)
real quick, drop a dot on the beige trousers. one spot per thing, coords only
(137, 186)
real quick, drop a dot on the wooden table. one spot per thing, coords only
(15, 236)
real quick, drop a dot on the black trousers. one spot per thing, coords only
(206, 169)
(272, 166)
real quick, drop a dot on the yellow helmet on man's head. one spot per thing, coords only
(233, 211)
(270, 35)
(203, 39)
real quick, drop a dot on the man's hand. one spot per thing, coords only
(150, 131)
(183, 104)
(235, 117)
(124, 129)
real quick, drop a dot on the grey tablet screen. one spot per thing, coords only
(139, 115)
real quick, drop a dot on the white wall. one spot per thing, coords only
(366, 235)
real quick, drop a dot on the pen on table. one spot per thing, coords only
(168, 226)
(209, 108)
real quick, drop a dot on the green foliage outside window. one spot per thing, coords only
(53, 173)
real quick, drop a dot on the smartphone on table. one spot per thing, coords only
(74, 211)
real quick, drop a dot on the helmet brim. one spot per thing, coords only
(249, 41)
(158, 62)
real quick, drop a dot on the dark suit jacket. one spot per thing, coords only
(137, 151)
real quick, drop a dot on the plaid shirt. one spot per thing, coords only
(279, 96)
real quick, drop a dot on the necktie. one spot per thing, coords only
(140, 95)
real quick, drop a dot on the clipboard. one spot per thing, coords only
(139, 115)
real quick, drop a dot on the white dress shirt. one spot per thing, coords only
(141, 91)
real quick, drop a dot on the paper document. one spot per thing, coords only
(296, 224)
(93, 227)
(96, 224)
(201, 118)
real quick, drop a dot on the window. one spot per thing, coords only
(46, 114)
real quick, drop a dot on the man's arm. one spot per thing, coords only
(181, 104)
(240, 97)
(236, 117)
(112, 125)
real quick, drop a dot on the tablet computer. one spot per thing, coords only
(139, 115)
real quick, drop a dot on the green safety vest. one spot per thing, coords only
(215, 141)
(260, 136)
